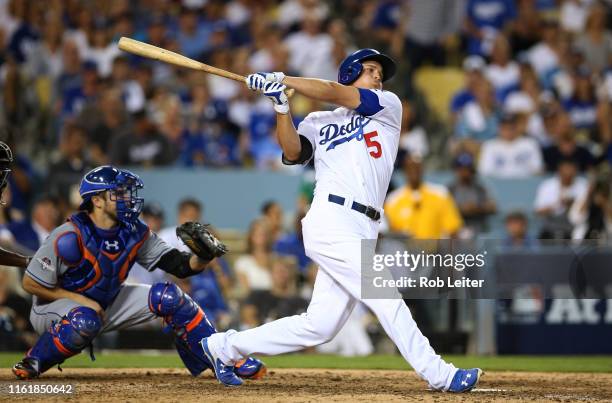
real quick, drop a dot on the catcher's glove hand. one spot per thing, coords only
(201, 242)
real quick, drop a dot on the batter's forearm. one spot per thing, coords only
(288, 137)
(325, 91)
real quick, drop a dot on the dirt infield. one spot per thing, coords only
(308, 385)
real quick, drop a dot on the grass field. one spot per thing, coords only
(594, 364)
(118, 377)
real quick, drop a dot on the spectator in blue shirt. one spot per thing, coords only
(264, 148)
(70, 77)
(210, 138)
(26, 32)
(207, 291)
(385, 20)
(157, 32)
(473, 66)
(193, 34)
(479, 119)
(30, 233)
(386, 15)
(582, 106)
(77, 95)
(292, 244)
(218, 149)
(484, 19)
(21, 181)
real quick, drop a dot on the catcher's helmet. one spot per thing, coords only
(123, 186)
(6, 159)
(351, 67)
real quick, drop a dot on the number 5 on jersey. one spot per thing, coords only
(370, 142)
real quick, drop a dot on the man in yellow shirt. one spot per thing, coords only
(422, 210)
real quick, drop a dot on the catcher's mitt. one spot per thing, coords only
(201, 242)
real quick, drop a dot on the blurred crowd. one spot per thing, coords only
(537, 89)
(535, 102)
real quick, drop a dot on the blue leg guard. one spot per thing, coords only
(190, 325)
(186, 319)
(194, 363)
(63, 340)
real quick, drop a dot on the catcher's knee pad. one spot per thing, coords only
(188, 321)
(66, 338)
(179, 311)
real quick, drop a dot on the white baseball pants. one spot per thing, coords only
(332, 237)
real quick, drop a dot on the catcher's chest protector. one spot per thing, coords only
(106, 259)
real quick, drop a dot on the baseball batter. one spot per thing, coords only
(77, 278)
(354, 148)
(8, 258)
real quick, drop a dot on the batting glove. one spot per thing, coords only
(276, 76)
(276, 93)
(256, 82)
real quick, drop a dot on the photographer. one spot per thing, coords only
(592, 214)
(555, 197)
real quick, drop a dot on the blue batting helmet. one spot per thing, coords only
(351, 67)
(123, 186)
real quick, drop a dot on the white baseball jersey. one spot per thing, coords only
(354, 154)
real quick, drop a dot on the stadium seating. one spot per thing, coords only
(438, 84)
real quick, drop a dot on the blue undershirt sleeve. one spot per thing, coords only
(370, 104)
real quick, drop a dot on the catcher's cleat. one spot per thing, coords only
(465, 380)
(26, 369)
(224, 373)
(250, 368)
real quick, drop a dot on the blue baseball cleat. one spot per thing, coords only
(465, 380)
(224, 373)
(250, 368)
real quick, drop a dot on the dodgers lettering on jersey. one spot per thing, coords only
(335, 135)
(354, 154)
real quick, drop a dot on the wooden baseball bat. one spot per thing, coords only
(153, 52)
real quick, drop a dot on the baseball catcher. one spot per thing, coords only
(77, 279)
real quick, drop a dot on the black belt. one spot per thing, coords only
(369, 211)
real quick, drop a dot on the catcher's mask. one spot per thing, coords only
(6, 159)
(122, 186)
